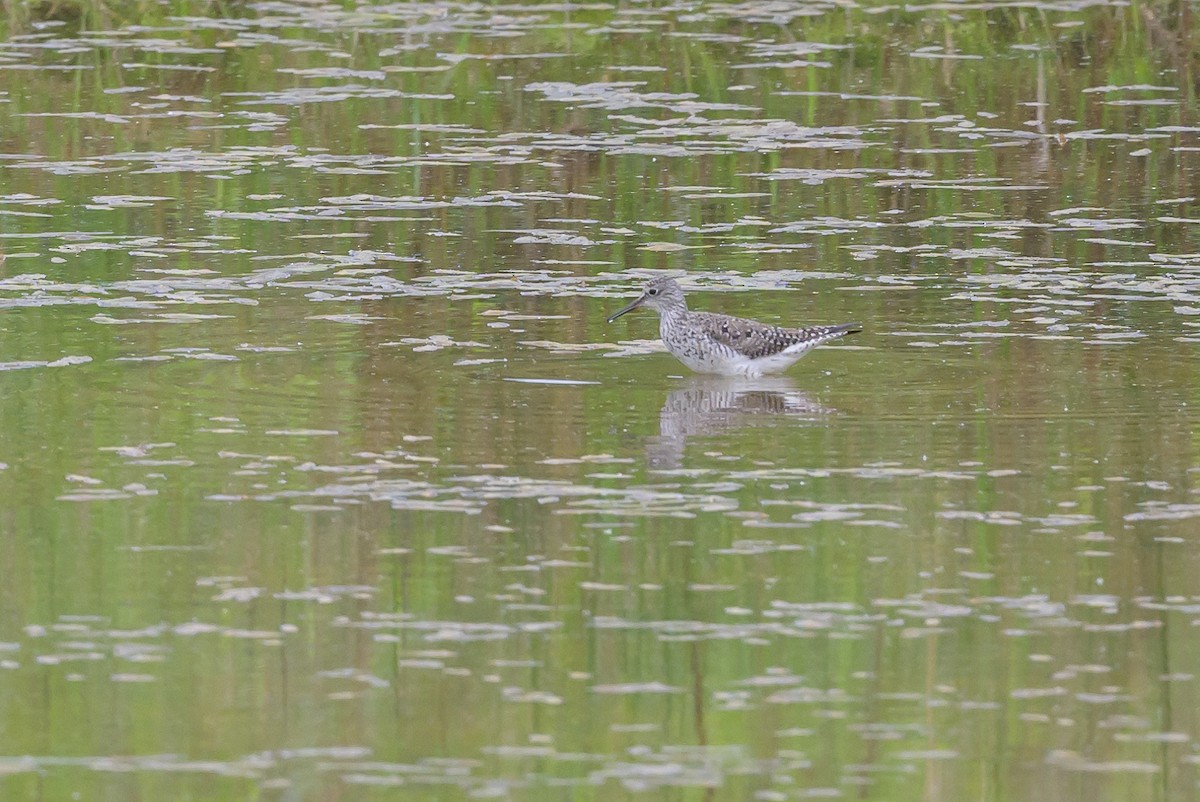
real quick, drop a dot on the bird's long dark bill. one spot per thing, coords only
(629, 308)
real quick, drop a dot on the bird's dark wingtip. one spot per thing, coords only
(847, 328)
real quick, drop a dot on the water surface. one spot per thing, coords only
(324, 477)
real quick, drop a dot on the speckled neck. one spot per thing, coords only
(674, 312)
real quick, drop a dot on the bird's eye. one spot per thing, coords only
(652, 291)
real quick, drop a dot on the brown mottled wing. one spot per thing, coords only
(756, 340)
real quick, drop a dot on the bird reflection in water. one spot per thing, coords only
(711, 405)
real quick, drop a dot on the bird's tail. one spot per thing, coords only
(843, 329)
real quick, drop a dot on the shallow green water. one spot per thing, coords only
(323, 478)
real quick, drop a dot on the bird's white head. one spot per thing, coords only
(662, 294)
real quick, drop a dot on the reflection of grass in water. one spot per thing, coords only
(98, 14)
(1048, 55)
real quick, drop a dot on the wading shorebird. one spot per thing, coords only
(730, 346)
